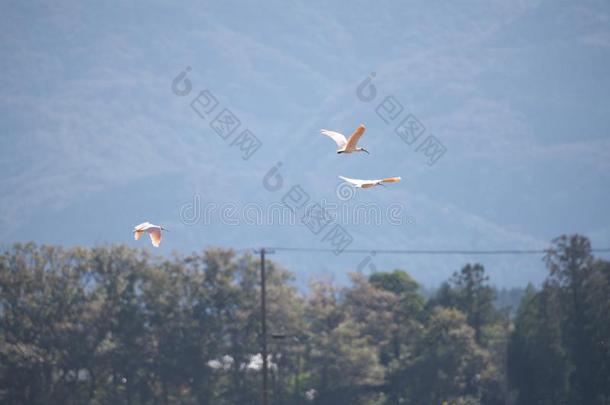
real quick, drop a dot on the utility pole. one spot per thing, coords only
(300, 340)
(297, 380)
(265, 393)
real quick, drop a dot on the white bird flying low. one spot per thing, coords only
(346, 145)
(370, 183)
(154, 231)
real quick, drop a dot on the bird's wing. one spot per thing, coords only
(337, 137)
(355, 137)
(390, 180)
(155, 236)
(355, 182)
(137, 234)
(142, 226)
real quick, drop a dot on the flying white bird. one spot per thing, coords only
(370, 183)
(346, 145)
(153, 230)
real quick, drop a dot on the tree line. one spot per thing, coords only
(112, 324)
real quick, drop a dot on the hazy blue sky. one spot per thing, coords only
(94, 140)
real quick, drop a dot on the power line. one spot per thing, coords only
(265, 390)
(419, 251)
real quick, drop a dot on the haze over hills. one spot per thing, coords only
(94, 140)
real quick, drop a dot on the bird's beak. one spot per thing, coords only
(165, 229)
(367, 152)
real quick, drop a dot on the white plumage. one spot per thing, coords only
(346, 145)
(369, 183)
(154, 231)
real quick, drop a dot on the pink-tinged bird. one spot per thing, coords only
(153, 230)
(346, 145)
(370, 183)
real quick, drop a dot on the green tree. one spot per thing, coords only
(573, 273)
(343, 361)
(447, 364)
(538, 363)
(470, 292)
(557, 350)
